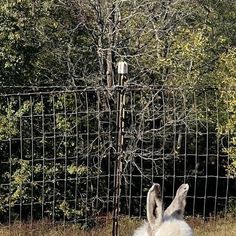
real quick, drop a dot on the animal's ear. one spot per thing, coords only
(154, 205)
(181, 196)
(182, 191)
(177, 206)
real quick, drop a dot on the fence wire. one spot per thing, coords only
(59, 149)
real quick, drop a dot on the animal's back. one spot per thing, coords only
(174, 227)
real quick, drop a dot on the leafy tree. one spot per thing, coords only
(44, 43)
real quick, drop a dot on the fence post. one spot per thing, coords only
(122, 72)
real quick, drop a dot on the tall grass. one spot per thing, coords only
(218, 227)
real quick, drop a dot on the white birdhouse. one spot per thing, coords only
(122, 68)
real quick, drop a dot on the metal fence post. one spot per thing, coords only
(122, 72)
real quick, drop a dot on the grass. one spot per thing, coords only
(218, 227)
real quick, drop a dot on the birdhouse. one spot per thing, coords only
(122, 68)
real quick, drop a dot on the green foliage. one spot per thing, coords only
(227, 127)
(37, 38)
(36, 172)
(9, 119)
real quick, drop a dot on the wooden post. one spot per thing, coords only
(122, 71)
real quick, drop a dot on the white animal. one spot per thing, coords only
(172, 222)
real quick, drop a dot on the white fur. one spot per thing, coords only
(142, 230)
(174, 227)
(170, 227)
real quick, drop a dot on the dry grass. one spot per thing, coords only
(219, 227)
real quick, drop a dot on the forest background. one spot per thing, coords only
(189, 45)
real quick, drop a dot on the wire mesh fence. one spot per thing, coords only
(60, 150)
